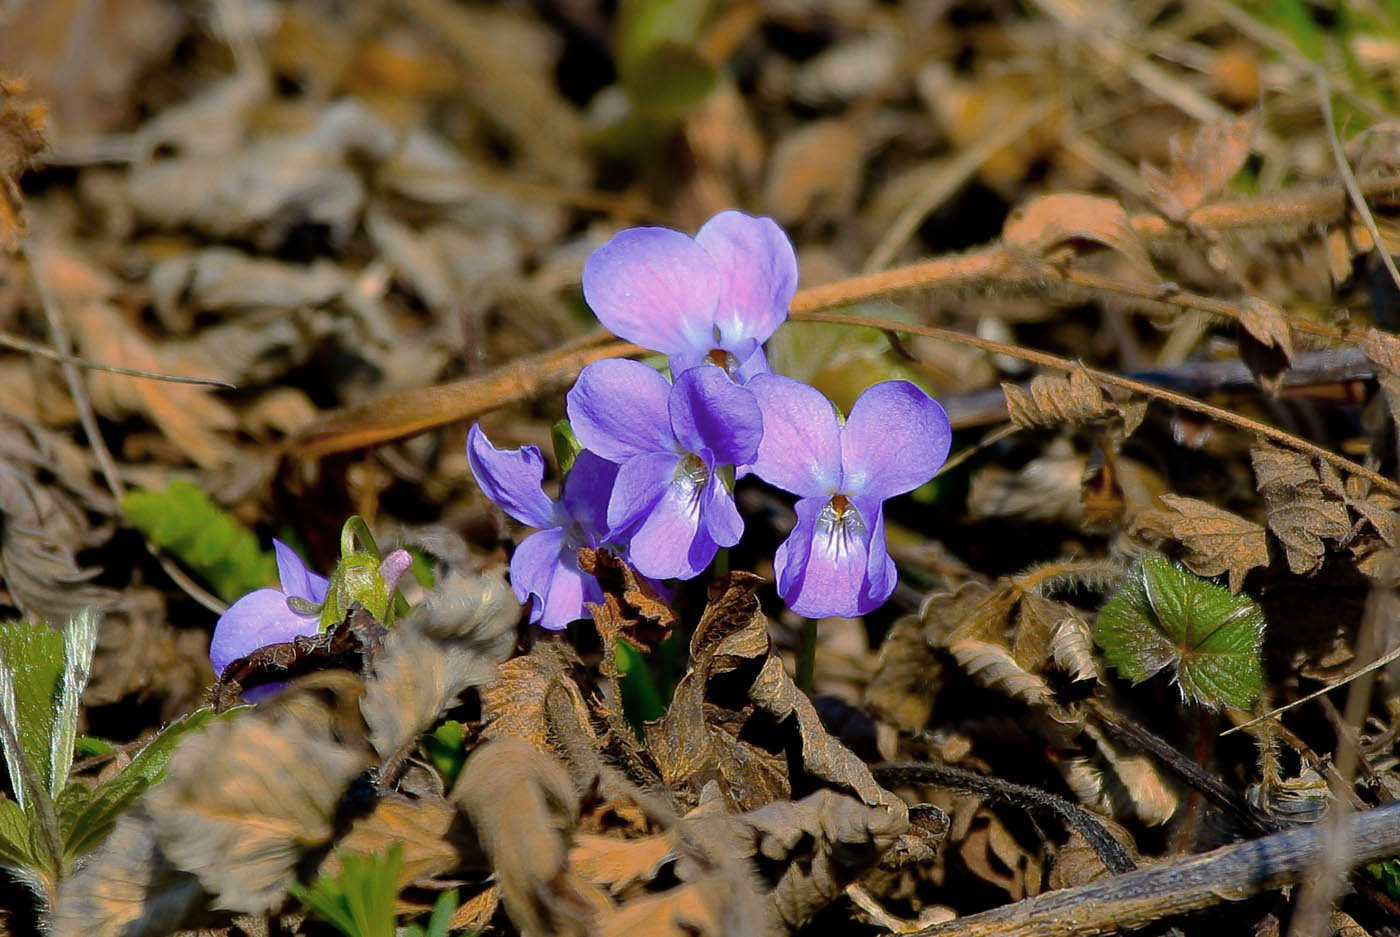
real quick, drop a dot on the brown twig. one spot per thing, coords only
(1045, 359)
(1134, 900)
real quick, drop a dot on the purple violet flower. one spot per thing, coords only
(672, 442)
(713, 299)
(544, 570)
(835, 563)
(264, 617)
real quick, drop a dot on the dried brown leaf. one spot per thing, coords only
(1302, 510)
(631, 608)
(526, 835)
(1268, 324)
(1072, 649)
(995, 668)
(1383, 350)
(1216, 540)
(1051, 401)
(908, 675)
(420, 826)
(1198, 171)
(1050, 221)
(992, 854)
(1078, 863)
(21, 139)
(814, 168)
(245, 799)
(738, 719)
(514, 705)
(126, 888)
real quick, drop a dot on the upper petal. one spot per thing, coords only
(295, 578)
(655, 287)
(758, 273)
(833, 579)
(617, 408)
(511, 478)
(709, 411)
(801, 446)
(587, 489)
(895, 439)
(258, 619)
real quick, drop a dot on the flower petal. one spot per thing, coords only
(295, 578)
(655, 287)
(880, 574)
(758, 272)
(722, 520)
(895, 439)
(801, 446)
(617, 408)
(671, 543)
(709, 411)
(587, 489)
(564, 601)
(532, 568)
(258, 619)
(511, 478)
(641, 482)
(832, 581)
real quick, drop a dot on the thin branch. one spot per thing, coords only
(1387, 658)
(1358, 198)
(1179, 886)
(18, 343)
(1045, 359)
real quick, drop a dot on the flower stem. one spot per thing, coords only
(807, 655)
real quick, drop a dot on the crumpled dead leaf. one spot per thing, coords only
(737, 718)
(1050, 221)
(1300, 512)
(22, 138)
(420, 826)
(245, 799)
(1216, 540)
(1199, 170)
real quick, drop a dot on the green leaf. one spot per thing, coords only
(439, 921)
(1165, 616)
(566, 446)
(79, 645)
(205, 537)
(669, 78)
(34, 658)
(359, 902)
(1386, 874)
(87, 816)
(447, 748)
(17, 838)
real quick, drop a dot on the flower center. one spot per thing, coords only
(723, 359)
(692, 473)
(840, 525)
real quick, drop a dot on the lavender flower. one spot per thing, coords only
(672, 443)
(264, 617)
(544, 569)
(716, 298)
(835, 561)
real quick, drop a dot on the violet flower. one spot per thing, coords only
(715, 298)
(544, 570)
(835, 562)
(673, 443)
(264, 616)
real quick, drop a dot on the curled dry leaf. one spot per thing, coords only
(245, 799)
(1216, 540)
(1267, 323)
(420, 826)
(1302, 512)
(1050, 221)
(22, 138)
(631, 608)
(514, 705)
(527, 835)
(908, 675)
(1052, 401)
(127, 888)
(1198, 171)
(415, 677)
(738, 719)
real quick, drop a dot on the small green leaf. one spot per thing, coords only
(16, 838)
(447, 748)
(79, 645)
(205, 537)
(1165, 616)
(566, 446)
(33, 656)
(1386, 874)
(669, 78)
(359, 902)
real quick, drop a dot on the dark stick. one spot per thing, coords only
(1138, 737)
(1124, 902)
(1030, 799)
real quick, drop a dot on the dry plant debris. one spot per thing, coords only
(262, 264)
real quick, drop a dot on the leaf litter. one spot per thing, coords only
(372, 223)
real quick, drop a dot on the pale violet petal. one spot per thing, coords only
(896, 438)
(512, 478)
(655, 287)
(758, 272)
(800, 450)
(618, 409)
(258, 619)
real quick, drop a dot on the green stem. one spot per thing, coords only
(807, 655)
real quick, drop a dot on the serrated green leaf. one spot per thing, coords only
(1165, 616)
(87, 816)
(33, 656)
(359, 902)
(205, 537)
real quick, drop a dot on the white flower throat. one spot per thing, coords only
(840, 525)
